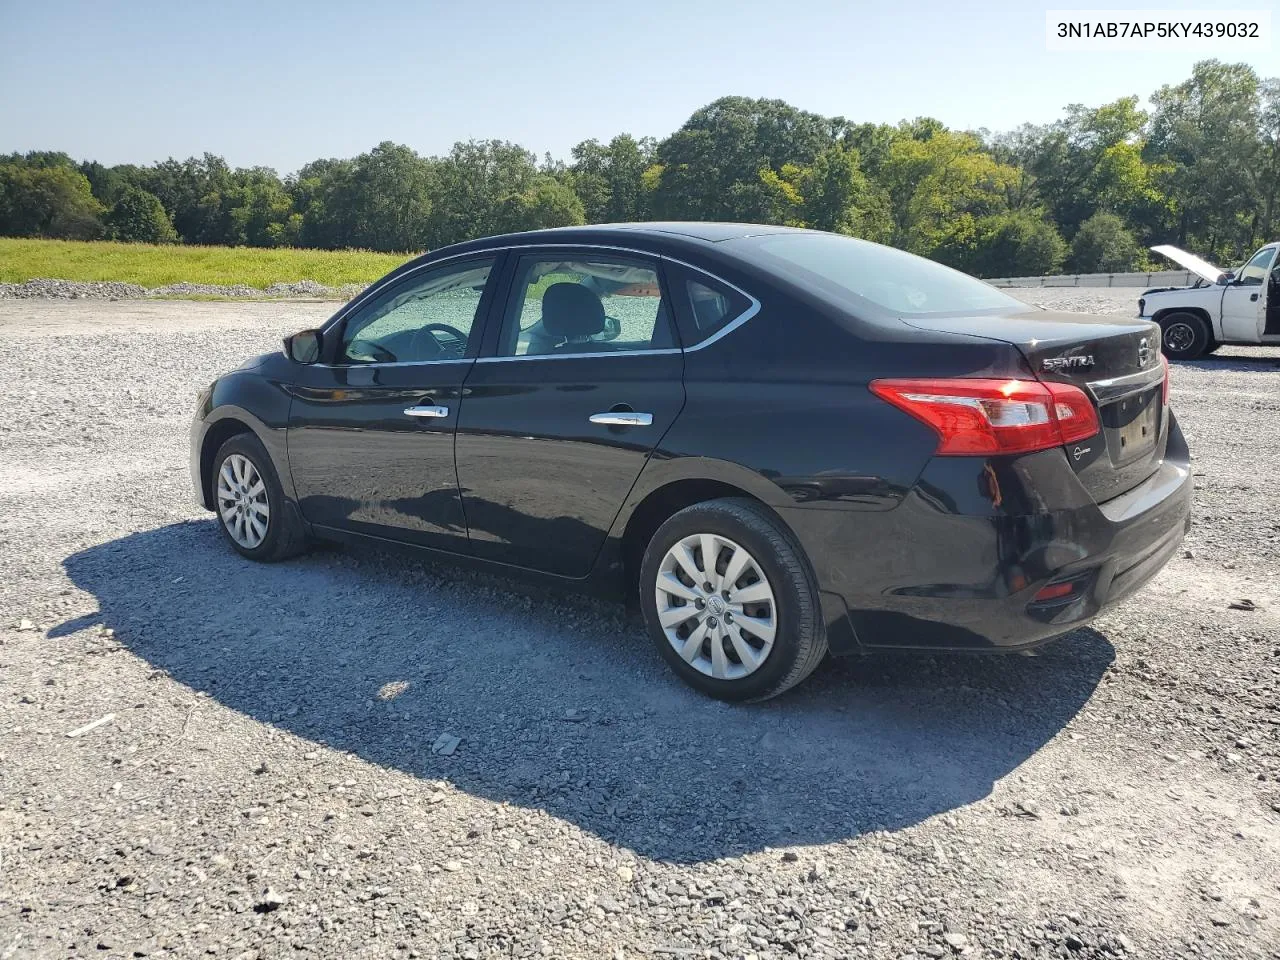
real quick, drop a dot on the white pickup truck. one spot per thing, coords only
(1240, 306)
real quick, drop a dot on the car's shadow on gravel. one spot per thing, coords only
(562, 704)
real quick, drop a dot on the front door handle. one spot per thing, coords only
(618, 418)
(1254, 298)
(426, 411)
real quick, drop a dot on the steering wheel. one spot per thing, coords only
(453, 342)
(368, 350)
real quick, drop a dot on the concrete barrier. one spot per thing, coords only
(1162, 278)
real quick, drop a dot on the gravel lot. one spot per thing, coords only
(267, 783)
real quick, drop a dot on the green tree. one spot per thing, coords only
(1266, 172)
(1091, 159)
(839, 197)
(48, 201)
(609, 179)
(474, 185)
(548, 203)
(1103, 244)
(940, 183)
(1206, 132)
(139, 217)
(107, 183)
(381, 200)
(1014, 244)
(253, 208)
(710, 167)
(183, 187)
(40, 159)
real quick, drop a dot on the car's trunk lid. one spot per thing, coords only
(1115, 360)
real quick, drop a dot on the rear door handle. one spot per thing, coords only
(619, 419)
(426, 411)
(1254, 298)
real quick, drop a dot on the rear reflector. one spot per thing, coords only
(975, 417)
(1053, 591)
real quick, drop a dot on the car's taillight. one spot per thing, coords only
(975, 417)
(1164, 388)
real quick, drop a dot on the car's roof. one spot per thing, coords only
(657, 234)
(712, 231)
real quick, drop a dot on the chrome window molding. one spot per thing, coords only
(582, 356)
(752, 309)
(733, 324)
(380, 364)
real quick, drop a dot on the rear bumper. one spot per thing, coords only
(958, 563)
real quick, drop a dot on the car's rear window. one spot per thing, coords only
(857, 273)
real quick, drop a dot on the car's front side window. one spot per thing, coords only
(1254, 272)
(584, 304)
(428, 316)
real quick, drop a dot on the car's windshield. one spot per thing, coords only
(859, 273)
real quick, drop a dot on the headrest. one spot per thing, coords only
(571, 311)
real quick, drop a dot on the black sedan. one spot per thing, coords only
(780, 442)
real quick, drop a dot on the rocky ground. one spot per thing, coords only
(46, 289)
(357, 755)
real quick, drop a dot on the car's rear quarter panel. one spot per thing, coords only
(780, 408)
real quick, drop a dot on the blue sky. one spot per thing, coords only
(281, 83)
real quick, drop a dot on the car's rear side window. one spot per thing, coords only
(705, 305)
(573, 304)
(713, 306)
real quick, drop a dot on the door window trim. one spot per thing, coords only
(521, 249)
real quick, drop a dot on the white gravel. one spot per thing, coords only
(43, 288)
(274, 774)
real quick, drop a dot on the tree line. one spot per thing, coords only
(1087, 193)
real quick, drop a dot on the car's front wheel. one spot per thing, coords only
(730, 601)
(250, 503)
(1184, 336)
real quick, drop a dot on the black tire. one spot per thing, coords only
(285, 536)
(800, 640)
(1184, 336)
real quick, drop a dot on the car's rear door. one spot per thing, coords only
(578, 383)
(371, 429)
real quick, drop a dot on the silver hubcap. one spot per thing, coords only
(716, 606)
(1179, 336)
(242, 501)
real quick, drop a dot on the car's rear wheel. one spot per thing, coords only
(250, 503)
(730, 601)
(1183, 336)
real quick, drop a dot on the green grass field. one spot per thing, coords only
(155, 266)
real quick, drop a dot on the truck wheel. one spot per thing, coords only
(1183, 336)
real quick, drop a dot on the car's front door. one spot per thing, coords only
(371, 429)
(578, 384)
(1244, 302)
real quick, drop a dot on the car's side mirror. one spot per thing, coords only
(303, 347)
